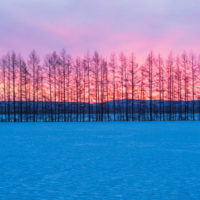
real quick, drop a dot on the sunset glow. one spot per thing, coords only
(95, 52)
(106, 26)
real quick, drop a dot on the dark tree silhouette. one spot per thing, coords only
(65, 88)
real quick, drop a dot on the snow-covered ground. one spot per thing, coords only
(100, 161)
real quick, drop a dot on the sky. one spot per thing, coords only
(109, 26)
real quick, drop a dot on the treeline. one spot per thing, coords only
(96, 88)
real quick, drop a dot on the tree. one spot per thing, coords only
(150, 61)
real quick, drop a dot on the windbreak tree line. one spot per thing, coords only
(97, 88)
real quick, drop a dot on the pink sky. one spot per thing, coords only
(107, 26)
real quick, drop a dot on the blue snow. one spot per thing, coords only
(100, 161)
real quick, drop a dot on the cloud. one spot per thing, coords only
(107, 26)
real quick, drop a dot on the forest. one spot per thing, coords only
(93, 87)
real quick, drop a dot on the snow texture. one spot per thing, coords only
(97, 161)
